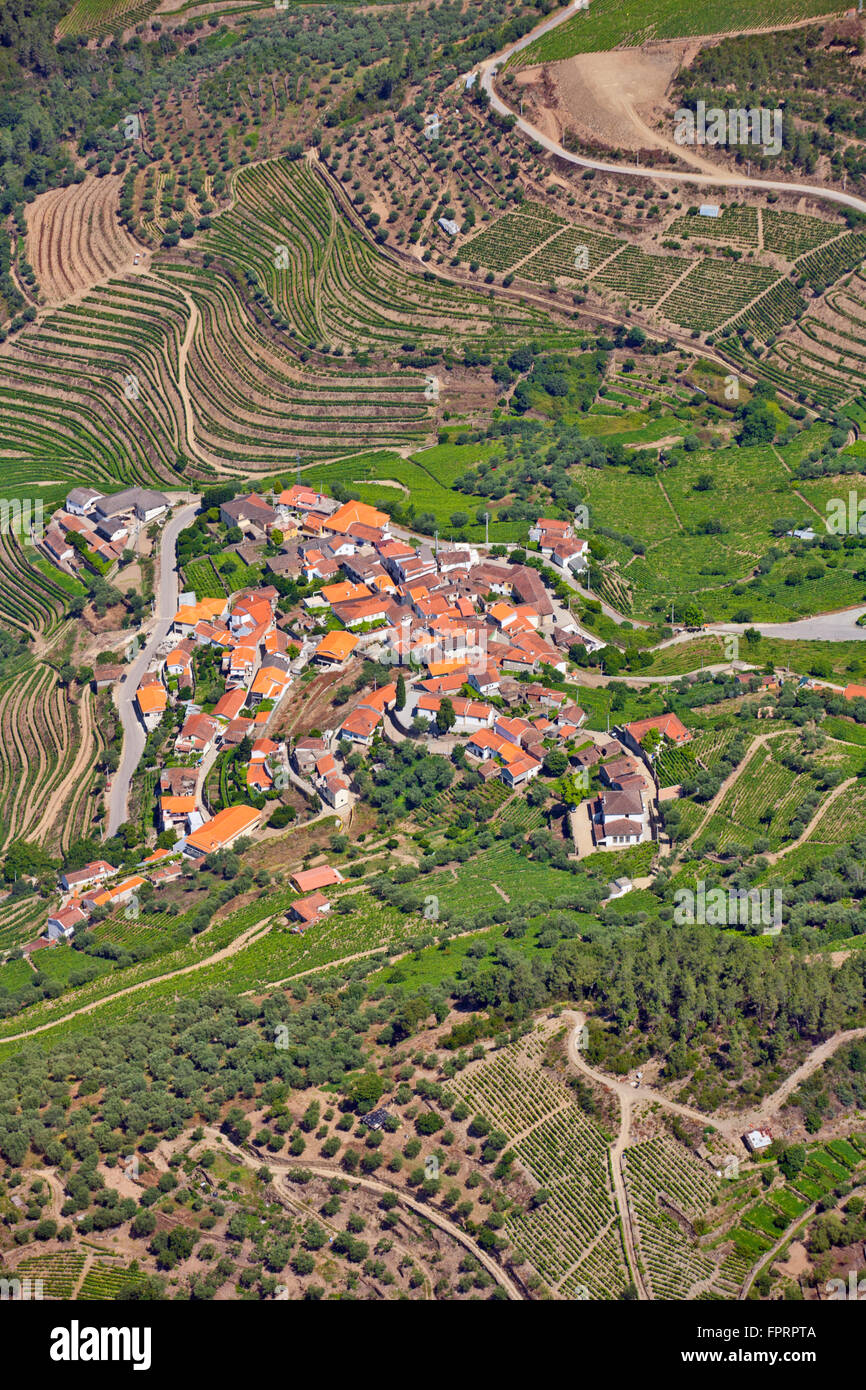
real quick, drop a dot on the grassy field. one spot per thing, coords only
(703, 543)
(842, 661)
(425, 479)
(472, 887)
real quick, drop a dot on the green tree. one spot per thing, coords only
(555, 762)
(366, 1090)
(446, 718)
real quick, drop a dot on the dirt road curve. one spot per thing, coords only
(436, 1218)
(732, 1127)
(124, 695)
(723, 178)
(817, 1057)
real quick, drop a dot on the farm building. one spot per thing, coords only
(94, 872)
(308, 880)
(757, 1139)
(671, 728)
(61, 925)
(221, 833)
(81, 500)
(308, 910)
(141, 502)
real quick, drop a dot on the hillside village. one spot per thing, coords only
(476, 646)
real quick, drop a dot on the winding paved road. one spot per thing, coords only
(134, 734)
(840, 626)
(490, 67)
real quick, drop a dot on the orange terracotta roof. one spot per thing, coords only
(668, 724)
(352, 512)
(336, 646)
(361, 722)
(151, 698)
(322, 877)
(229, 706)
(344, 592)
(226, 825)
(444, 668)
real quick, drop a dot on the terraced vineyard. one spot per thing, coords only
(573, 1238)
(99, 17)
(814, 350)
(778, 306)
(31, 603)
(93, 388)
(641, 278)
(260, 394)
(715, 291)
(668, 1190)
(824, 266)
(103, 1280)
(83, 216)
(792, 234)
(560, 256)
(512, 237)
(201, 577)
(766, 796)
(843, 818)
(674, 765)
(613, 23)
(180, 361)
(22, 920)
(737, 225)
(46, 758)
(58, 1272)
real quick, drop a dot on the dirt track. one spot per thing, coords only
(436, 1218)
(614, 98)
(720, 178)
(732, 1127)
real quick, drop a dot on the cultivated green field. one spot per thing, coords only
(611, 23)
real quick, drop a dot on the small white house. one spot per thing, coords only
(757, 1139)
(81, 500)
(709, 210)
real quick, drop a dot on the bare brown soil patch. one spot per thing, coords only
(614, 97)
(75, 239)
(797, 1262)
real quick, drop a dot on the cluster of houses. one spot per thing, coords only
(624, 813)
(100, 886)
(462, 627)
(458, 627)
(558, 544)
(107, 524)
(255, 660)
